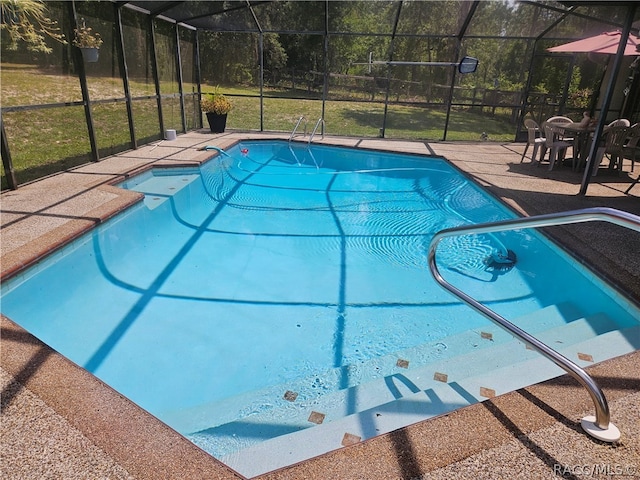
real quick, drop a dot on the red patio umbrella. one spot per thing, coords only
(606, 42)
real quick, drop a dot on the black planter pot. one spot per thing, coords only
(90, 54)
(217, 122)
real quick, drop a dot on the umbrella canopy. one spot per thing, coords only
(606, 42)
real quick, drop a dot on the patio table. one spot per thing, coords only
(581, 136)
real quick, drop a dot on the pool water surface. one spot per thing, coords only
(279, 281)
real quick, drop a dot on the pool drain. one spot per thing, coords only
(501, 261)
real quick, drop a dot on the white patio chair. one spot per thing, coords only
(630, 148)
(620, 122)
(557, 119)
(557, 148)
(614, 140)
(535, 138)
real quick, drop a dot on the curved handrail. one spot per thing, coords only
(618, 217)
(293, 132)
(318, 123)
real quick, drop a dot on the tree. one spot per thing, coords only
(27, 21)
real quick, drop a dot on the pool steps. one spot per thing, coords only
(379, 391)
(430, 402)
(158, 188)
(465, 376)
(465, 342)
(598, 426)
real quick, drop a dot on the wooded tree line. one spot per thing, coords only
(500, 34)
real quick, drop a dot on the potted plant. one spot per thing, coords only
(216, 106)
(88, 42)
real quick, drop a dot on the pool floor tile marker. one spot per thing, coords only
(290, 396)
(440, 377)
(316, 417)
(585, 356)
(486, 335)
(350, 439)
(402, 363)
(487, 392)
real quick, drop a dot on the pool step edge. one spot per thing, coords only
(469, 341)
(288, 449)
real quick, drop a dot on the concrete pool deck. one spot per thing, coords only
(58, 421)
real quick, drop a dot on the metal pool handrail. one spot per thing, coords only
(293, 132)
(315, 129)
(599, 426)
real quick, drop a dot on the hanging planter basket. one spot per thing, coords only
(87, 41)
(90, 54)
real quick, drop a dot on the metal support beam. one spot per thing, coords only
(6, 158)
(125, 75)
(198, 79)
(525, 97)
(325, 65)
(156, 74)
(383, 130)
(588, 171)
(183, 116)
(567, 84)
(261, 62)
(82, 74)
(261, 66)
(459, 38)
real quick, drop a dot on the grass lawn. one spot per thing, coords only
(352, 118)
(48, 140)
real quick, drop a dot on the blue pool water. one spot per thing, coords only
(277, 268)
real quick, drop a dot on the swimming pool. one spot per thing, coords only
(320, 255)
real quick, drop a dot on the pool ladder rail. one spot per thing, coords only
(600, 426)
(319, 123)
(295, 129)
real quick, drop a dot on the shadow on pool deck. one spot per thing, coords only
(61, 422)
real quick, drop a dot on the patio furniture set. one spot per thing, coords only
(559, 133)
